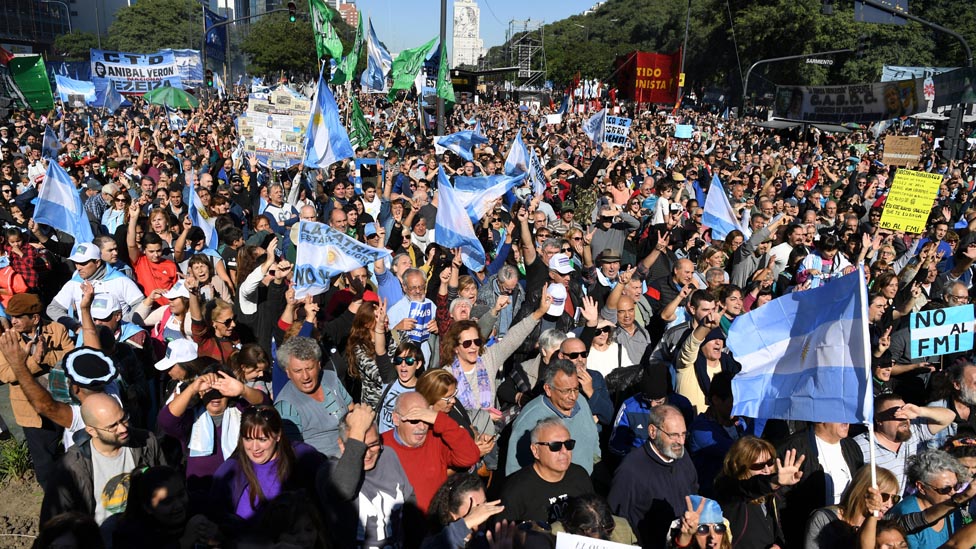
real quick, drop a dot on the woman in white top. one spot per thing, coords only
(605, 354)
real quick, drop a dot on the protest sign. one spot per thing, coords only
(572, 541)
(850, 103)
(890, 73)
(323, 253)
(941, 331)
(683, 131)
(135, 73)
(909, 201)
(902, 150)
(423, 313)
(189, 66)
(617, 130)
(274, 126)
(646, 77)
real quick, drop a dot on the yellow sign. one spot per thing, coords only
(681, 80)
(910, 200)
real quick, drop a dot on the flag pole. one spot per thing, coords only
(868, 405)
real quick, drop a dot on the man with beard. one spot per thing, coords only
(650, 486)
(961, 399)
(899, 431)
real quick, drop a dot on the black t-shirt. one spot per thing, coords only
(527, 497)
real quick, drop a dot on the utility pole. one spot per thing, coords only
(684, 49)
(440, 101)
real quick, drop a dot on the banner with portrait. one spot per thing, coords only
(850, 103)
(135, 73)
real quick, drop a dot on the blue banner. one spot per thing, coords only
(324, 253)
(216, 38)
(74, 93)
(189, 65)
(134, 73)
(941, 331)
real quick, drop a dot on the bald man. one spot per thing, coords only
(92, 477)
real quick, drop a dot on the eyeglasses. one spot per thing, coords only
(576, 354)
(411, 421)
(577, 238)
(959, 298)
(558, 445)
(704, 529)
(451, 397)
(944, 491)
(376, 446)
(763, 464)
(113, 428)
(226, 323)
(895, 498)
(570, 391)
(397, 360)
(604, 330)
(681, 436)
(886, 365)
(469, 342)
(416, 288)
(565, 249)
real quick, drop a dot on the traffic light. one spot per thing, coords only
(862, 46)
(953, 142)
(292, 12)
(209, 78)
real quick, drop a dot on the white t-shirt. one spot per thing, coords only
(838, 474)
(385, 418)
(122, 287)
(608, 360)
(111, 482)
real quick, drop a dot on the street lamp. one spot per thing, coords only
(584, 28)
(67, 11)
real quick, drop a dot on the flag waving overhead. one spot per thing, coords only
(718, 213)
(326, 40)
(408, 64)
(596, 127)
(445, 89)
(348, 65)
(359, 132)
(478, 194)
(50, 146)
(196, 206)
(378, 64)
(326, 141)
(323, 253)
(453, 228)
(805, 356)
(113, 99)
(59, 205)
(461, 143)
(518, 157)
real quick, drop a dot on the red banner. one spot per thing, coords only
(647, 77)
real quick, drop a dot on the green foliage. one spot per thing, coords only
(76, 45)
(276, 44)
(15, 459)
(150, 25)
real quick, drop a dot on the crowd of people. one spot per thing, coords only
(175, 393)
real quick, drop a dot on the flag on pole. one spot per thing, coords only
(806, 356)
(323, 253)
(518, 157)
(596, 127)
(196, 206)
(50, 146)
(460, 143)
(359, 134)
(59, 205)
(445, 89)
(718, 213)
(348, 65)
(408, 64)
(113, 99)
(326, 40)
(477, 194)
(378, 64)
(326, 141)
(453, 228)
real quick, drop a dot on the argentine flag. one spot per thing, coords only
(323, 253)
(477, 194)
(461, 143)
(326, 141)
(806, 356)
(50, 145)
(596, 127)
(378, 64)
(59, 205)
(453, 228)
(518, 157)
(196, 206)
(718, 214)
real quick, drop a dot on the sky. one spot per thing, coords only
(402, 24)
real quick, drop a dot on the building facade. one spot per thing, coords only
(467, 46)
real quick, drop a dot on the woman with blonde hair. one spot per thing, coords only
(837, 525)
(712, 257)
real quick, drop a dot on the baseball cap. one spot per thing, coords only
(85, 252)
(560, 263)
(178, 290)
(558, 293)
(369, 229)
(568, 206)
(104, 305)
(177, 351)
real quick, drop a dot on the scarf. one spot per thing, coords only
(422, 241)
(464, 393)
(202, 434)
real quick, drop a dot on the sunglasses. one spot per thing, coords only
(469, 342)
(412, 421)
(557, 445)
(566, 249)
(577, 238)
(604, 330)
(704, 529)
(397, 360)
(226, 323)
(944, 491)
(575, 355)
(895, 498)
(762, 465)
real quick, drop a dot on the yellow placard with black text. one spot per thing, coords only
(910, 200)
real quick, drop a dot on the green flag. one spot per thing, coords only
(326, 39)
(31, 77)
(359, 132)
(346, 69)
(407, 65)
(445, 89)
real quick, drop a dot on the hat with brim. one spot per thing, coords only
(178, 290)
(558, 294)
(85, 252)
(89, 368)
(608, 256)
(178, 351)
(24, 304)
(104, 306)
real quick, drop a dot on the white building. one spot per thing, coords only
(468, 45)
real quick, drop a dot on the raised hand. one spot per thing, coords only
(87, 295)
(788, 470)
(691, 517)
(590, 311)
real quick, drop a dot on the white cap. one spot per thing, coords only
(560, 263)
(558, 293)
(177, 351)
(104, 306)
(178, 290)
(85, 252)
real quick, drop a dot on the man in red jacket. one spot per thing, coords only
(427, 443)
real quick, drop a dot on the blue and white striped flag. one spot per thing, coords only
(326, 141)
(596, 127)
(378, 64)
(453, 228)
(59, 205)
(323, 253)
(196, 206)
(461, 143)
(718, 213)
(806, 356)
(113, 99)
(50, 145)
(518, 157)
(477, 194)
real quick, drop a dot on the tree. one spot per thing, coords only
(151, 25)
(275, 44)
(75, 46)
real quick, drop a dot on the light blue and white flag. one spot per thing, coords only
(806, 356)
(68, 87)
(196, 206)
(50, 146)
(324, 253)
(113, 99)
(518, 157)
(461, 143)
(453, 228)
(59, 205)
(537, 175)
(596, 127)
(326, 141)
(477, 128)
(477, 194)
(378, 64)
(718, 213)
